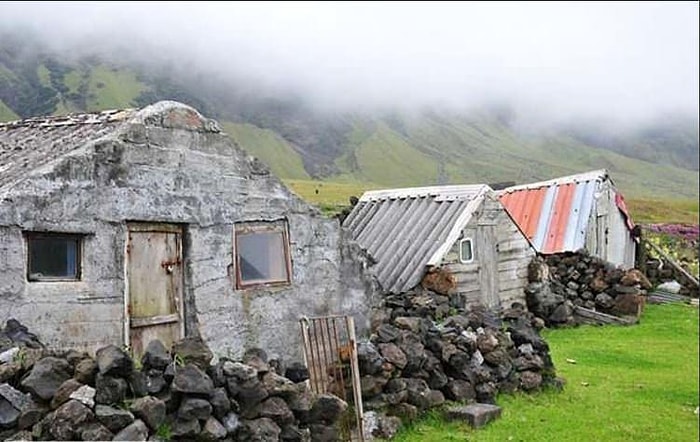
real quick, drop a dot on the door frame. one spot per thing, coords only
(145, 226)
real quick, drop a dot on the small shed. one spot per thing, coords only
(458, 240)
(570, 213)
(122, 226)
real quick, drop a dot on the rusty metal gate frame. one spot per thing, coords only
(330, 346)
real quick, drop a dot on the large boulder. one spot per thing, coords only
(85, 371)
(137, 431)
(64, 391)
(47, 375)
(459, 390)
(263, 429)
(85, 394)
(190, 379)
(110, 390)
(476, 415)
(301, 405)
(155, 356)
(327, 409)
(297, 372)
(192, 350)
(369, 359)
(194, 408)
(31, 414)
(276, 409)
(115, 419)
(186, 428)
(16, 333)
(393, 354)
(68, 420)
(113, 361)
(12, 402)
(213, 430)
(155, 381)
(95, 431)
(220, 403)
(150, 410)
(248, 394)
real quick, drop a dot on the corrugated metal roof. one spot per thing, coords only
(404, 230)
(554, 214)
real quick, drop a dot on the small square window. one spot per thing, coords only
(262, 254)
(53, 257)
(466, 251)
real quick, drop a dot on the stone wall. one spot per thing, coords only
(424, 351)
(560, 282)
(51, 395)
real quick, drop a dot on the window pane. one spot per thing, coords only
(53, 257)
(466, 253)
(261, 257)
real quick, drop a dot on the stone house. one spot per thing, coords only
(574, 212)
(456, 240)
(122, 226)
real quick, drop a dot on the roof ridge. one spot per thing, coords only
(599, 174)
(76, 118)
(452, 191)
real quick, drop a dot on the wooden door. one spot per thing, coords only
(154, 273)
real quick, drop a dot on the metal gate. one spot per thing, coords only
(330, 353)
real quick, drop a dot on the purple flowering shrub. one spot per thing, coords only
(679, 241)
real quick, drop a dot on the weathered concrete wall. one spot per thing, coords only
(195, 178)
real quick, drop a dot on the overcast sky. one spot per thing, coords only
(606, 60)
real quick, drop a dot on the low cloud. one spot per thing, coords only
(619, 62)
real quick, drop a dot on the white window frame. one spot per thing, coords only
(471, 249)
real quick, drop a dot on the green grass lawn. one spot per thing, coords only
(628, 384)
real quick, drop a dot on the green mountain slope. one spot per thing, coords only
(387, 150)
(283, 160)
(433, 151)
(7, 114)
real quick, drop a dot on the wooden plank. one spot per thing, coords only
(513, 272)
(468, 289)
(513, 283)
(589, 316)
(485, 242)
(356, 384)
(673, 263)
(154, 227)
(465, 279)
(511, 264)
(462, 268)
(660, 297)
(154, 320)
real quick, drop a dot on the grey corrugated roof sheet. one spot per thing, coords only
(405, 230)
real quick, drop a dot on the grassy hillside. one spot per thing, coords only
(7, 114)
(112, 88)
(645, 211)
(283, 160)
